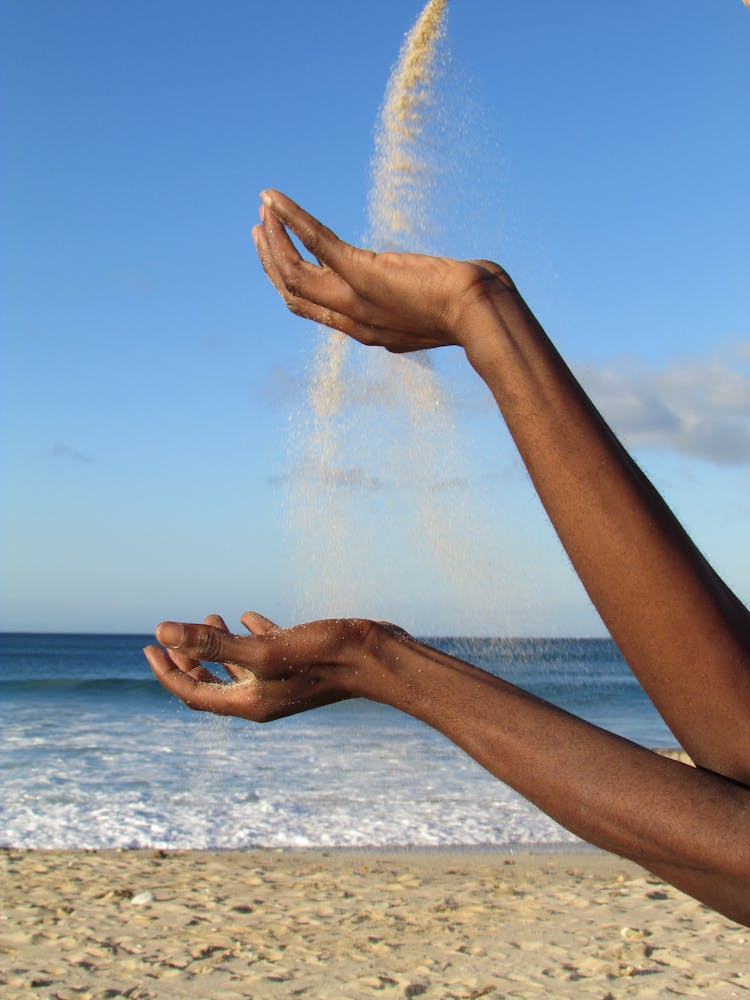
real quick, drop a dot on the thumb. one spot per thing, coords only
(203, 642)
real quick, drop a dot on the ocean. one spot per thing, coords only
(95, 754)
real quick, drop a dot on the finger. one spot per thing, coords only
(283, 250)
(191, 667)
(321, 241)
(236, 673)
(270, 266)
(258, 624)
(302, 279)
(320, 297)
(204, 697)
(207, 642)
(306, 308)
(216, 621)
(194, 668)
(351, 266)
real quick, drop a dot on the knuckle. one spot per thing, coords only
(311, 236)
(210, 644)
(263, 654)
(293, 275)
(294, 305)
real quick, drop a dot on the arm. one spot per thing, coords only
(683, 632)
(689, 826)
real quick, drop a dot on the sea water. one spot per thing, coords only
(94, 753)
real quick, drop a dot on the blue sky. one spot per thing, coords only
(599, 151)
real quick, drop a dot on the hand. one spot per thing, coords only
(273, 672)
(403, 302)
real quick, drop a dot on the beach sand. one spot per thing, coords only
(330, 925)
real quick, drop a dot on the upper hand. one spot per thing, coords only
(403, 302)
(273, 672)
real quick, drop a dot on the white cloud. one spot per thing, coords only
(698, 407)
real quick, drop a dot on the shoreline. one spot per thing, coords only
(353, 923)
(397, 855)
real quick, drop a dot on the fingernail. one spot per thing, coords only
(170, 634)
(265, 197)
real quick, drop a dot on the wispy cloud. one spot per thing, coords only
(65, 451)
(357, 478)
(352, 478)
(698, 406)
(454, 483)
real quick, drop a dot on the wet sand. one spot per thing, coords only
(327, 926)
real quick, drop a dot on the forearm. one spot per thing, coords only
(683, 632)
(690, 826)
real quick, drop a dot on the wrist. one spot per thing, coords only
(391, 667)
(355, 666)
(365, 666)
(488, 325)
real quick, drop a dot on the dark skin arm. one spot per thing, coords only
(683, 632)
(689, 826)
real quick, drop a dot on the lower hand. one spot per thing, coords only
(273, 672)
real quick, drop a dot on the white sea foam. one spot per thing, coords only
(87, 761)
(182, 781)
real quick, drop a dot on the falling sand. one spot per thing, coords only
(401, 172)
(378, 438)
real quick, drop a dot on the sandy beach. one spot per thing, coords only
(334, 925)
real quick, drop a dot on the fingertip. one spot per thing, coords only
(257, 623)
(155, 657)
(248, 619)
(170, 634)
